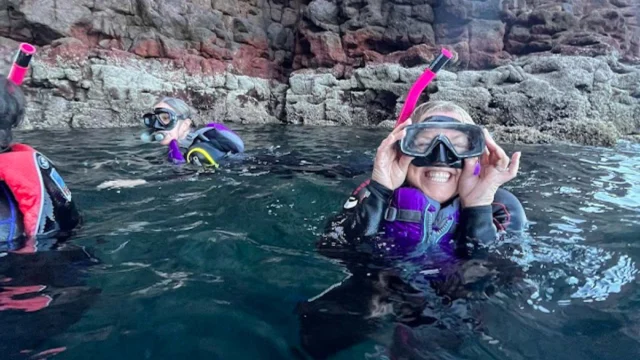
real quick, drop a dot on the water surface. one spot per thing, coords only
(214, 266)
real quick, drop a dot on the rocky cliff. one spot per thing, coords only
(540, 70)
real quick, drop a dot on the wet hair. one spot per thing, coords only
(182, 109)
(11, 104)
(439, 106)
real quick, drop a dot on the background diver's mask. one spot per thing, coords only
(442, 141)
(160, 120)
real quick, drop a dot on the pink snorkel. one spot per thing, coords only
(421, 84)
(21, 63)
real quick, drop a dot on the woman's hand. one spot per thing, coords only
(390, 165)
(479, 189)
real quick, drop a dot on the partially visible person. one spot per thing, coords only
(35, 202)
(171, 125)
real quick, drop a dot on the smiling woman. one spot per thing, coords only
(435, 181)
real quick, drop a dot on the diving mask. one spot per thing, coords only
(161, 119)
(442, 141)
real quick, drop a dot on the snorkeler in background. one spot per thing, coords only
(171, 125)
(35, 202)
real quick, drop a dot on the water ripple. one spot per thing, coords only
(201, 263)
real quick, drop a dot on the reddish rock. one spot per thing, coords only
(356, 42)
(586, 44)
(372, 57)
(114, 54)
(261, 45)
(416, 55)
(172, 49)
(274, 37)
(326, 48)
(483, 60)
(463, 53)
(147, 48)
(111, 44)
(486, 36)
(214, 51)
(191, 64)
(68, 49)
(82, 33)
(247, 60)
(212, 66)
(261, 67)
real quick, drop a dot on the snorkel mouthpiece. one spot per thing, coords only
(150, 136)
(21, 63)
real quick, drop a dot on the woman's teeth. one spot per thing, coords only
(438, 176)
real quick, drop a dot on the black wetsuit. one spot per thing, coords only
(35, 202)
(382, 294)
(360, 224)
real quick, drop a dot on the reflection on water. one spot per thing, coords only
(221, 264)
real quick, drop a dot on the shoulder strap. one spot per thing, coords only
(188, 141)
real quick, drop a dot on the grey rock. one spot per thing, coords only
(324, 14)
(289, 17)
(544, 95)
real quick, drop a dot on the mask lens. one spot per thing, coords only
(422, 140)
(165, 119)
(465, 140)
(460, 141)
(160, 120)
(147, 121)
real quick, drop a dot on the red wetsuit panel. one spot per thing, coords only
(19, 170)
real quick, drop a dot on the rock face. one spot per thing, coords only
(80, 87)
(532, 100)
(102, 63)
(484, 33)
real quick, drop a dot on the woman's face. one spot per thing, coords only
(172, 134)
(438, 183)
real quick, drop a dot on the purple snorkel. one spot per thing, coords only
(423, 81)
(21, 63)
(175, 155)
